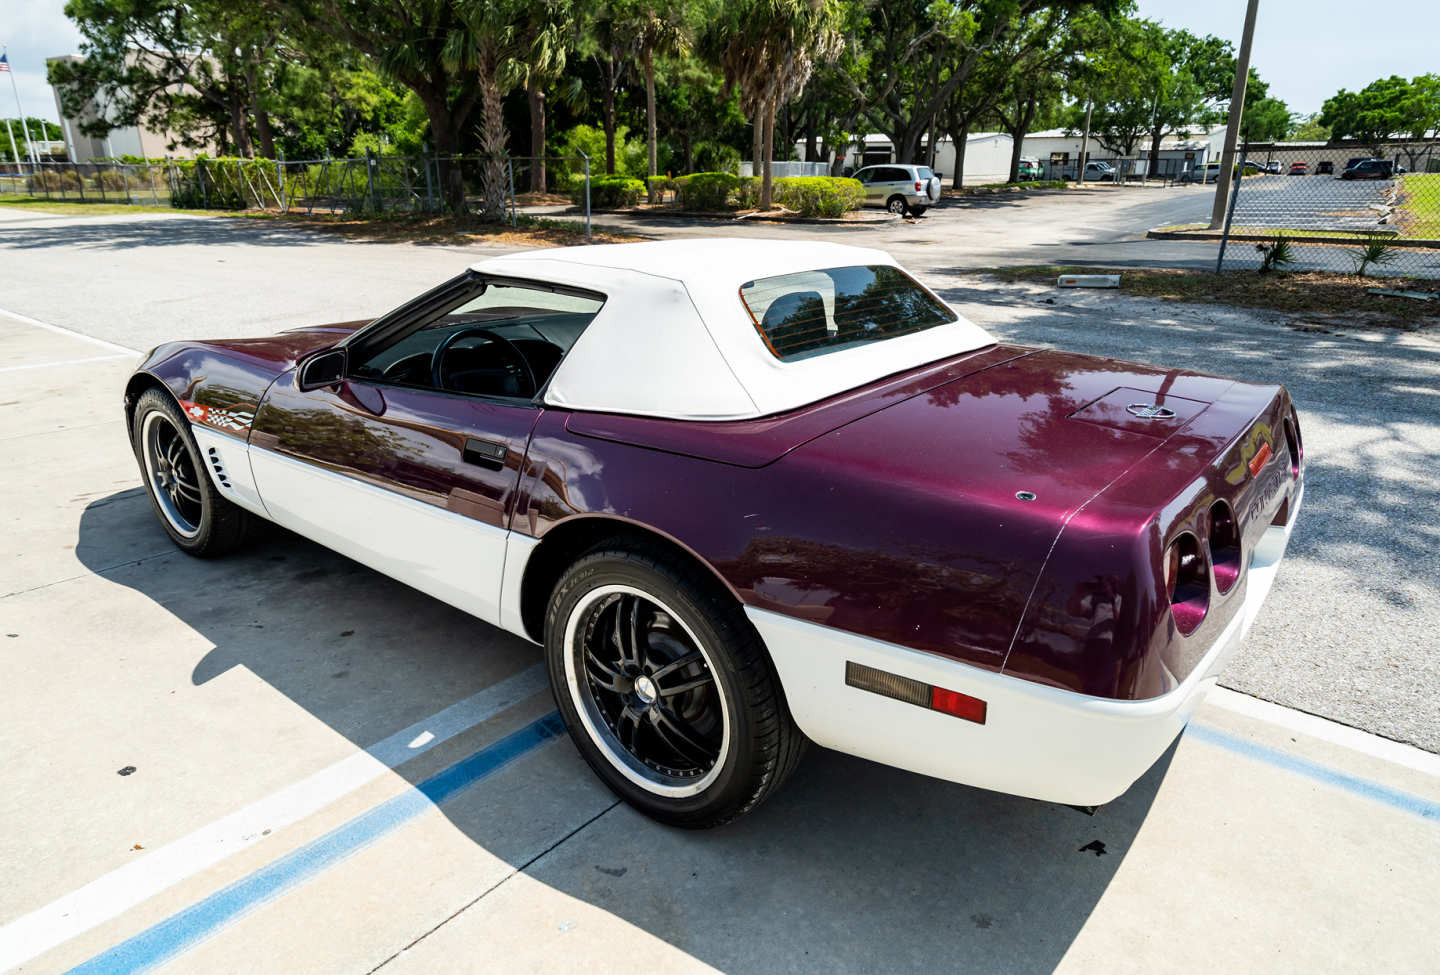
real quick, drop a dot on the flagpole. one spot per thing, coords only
(13, 151)
(25, 126)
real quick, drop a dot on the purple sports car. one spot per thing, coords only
(749, 494)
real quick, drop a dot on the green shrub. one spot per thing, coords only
(609, 192)
(819, 196)
(708, 191)
(716, 157)
(747, 197)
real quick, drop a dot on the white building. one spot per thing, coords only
(987, 156)
(1059, 149)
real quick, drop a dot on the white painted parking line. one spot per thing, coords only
(62, 330)
(121, 889)
(67, 362)
(1407, 756)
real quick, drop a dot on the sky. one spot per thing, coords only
(1305, 49)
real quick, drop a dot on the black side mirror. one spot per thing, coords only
(322, 369)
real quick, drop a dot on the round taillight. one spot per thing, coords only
(1224, 546)
(1292, 443)
(1187, 582)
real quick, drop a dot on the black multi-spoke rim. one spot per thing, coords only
(173, 478)
(651, 687)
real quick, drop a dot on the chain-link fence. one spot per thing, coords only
(372, 185)
(1335, 208)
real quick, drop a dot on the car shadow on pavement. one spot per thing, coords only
(852, 866)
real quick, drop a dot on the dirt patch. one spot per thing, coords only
(1325, 300)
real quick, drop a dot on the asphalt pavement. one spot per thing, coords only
(282, 761)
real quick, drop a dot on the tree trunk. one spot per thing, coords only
(492, 144)
(262, 117)
(610, 71)
(1156, 134)
(759, 137)
(961, 138)
(445, 132)
(536, 94)
(647, 57)
(689, 148)
(907, 143)
(1017, 148)
(766, 183)
(811, 153)
(239, 126)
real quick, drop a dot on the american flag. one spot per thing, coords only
(4, 62)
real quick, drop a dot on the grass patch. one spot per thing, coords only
(42, 204)
(1420, 204)
(430, 228)
(1339, 299)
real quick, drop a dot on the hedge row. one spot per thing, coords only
(810, 196)
(609, 192)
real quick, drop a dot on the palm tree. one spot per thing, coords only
(505, 42)
(768, 49)
(654, 29)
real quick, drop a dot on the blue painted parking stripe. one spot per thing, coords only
(200, 921)
(1354, 784)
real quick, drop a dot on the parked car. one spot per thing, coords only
(900, 188)
(1324, 168)
(1370, 169)
(1031, 168)
(1353, 160)
(747, 493)
(1272, 167)
(1299, 167)
(1207, 173)
(1096, 171)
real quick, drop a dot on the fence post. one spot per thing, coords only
(204, 192)
(372, 188)
(280, 180)
(429, 184)
(510, 167)
(125, 175)
(587, 192)
(45, 182)
(154, 194)
(1230, 212)
(100, 182)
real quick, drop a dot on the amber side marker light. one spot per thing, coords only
(1258, 462)
(914, 692)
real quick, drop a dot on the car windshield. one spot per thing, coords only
(813, 312)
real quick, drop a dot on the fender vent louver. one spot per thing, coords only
(219, 466)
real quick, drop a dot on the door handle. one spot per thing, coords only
(486, 453)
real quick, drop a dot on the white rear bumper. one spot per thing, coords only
(1037, 741)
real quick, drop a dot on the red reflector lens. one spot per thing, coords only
(1258, 462)
(960, 705)
(918, 186)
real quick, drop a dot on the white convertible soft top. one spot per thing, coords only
(675, 340)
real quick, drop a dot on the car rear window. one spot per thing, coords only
(813, 312)
(923, 172)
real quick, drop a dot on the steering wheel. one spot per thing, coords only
(437, 360)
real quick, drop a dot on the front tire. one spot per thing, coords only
(198, 520)
(666, 689)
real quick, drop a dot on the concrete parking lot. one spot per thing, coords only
(283, 761)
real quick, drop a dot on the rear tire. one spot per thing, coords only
(198, 520)
(666, 689)
(917, 211)
(897, 205)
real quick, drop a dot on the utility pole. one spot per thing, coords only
(1232, 128)
(1085, 143)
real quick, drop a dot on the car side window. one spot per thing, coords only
(499, 339)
